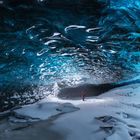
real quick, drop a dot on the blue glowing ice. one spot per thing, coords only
(43, 42)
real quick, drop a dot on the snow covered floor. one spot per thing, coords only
(114, 115)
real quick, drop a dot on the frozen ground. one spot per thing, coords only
(114, 115)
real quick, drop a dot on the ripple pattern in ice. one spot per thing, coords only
(44, 43)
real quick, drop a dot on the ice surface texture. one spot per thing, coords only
(70, 42)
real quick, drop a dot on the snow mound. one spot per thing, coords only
(43, 111)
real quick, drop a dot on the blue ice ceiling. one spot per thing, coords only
(67, 42)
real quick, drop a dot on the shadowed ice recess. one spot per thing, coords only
(46, 46)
